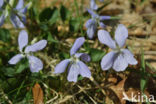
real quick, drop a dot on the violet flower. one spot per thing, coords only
(76, 66)
(17, 15)
(35, 63)
(118, 58)
(93, 23)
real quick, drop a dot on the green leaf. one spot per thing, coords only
(45, 15)
(4, 35)
(44, 26)
(96, 55)
(51, 39)
(64, 55)
(74, 24)
(143, 84)
(143, 73)
(80, 78)
(9, 71)
(21, 67)
(33, 14)
(55, 15)
(142, 62)
(64, 13)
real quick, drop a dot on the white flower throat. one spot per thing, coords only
(74, 59)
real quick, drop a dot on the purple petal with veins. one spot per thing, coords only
(60, 68)
(120, 63)
(1, 3)
(93, 5)
(77, 44)
(22, 39)
(17, 23)
(74, 71)
(84, 70)
(108, 60)
(104, 38)
(36, 46)
(121, 35)
(102, 25)
(15, 59)
(92, 13)
(102, 18)
(129, 57)
(35, 64)
(19, 4)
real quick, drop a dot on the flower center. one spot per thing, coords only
(74, 59)
(118, 49)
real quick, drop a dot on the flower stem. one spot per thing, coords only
(95, 82)
(115, 17)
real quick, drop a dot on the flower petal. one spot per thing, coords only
(108, 60)
(36, 46)
(91, 31)
(89, 22)
(35, 64)
(23, 10)
(1, 3)
(15, 59)
(92, 13)
(22, 39)
(17, 23)
(73, 73)
(78, 43)
(121, 35)
(105, 38)
(120, 63)
(102, 18)
(102, 25)
(2, 18)
(60, 68)
(91, 28)
(93, 5)
(129, 57)
(20, 4)
(84, 70)
(84, 57)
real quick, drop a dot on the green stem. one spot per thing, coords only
(92, 79)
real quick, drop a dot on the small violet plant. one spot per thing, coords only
(74, 64)
(17, 14)
(35, 63)
(93, 23)
(118, 58)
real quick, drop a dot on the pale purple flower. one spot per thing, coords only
(118, 58)
(35, 63)
(74, 64)
(93, 23)
(15, 20)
